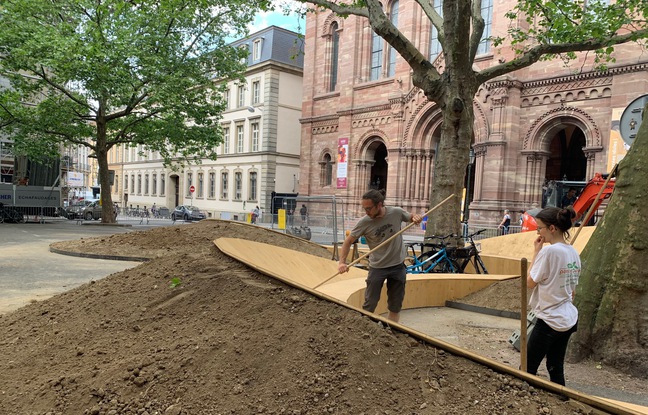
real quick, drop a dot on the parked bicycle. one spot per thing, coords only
(435, 259)
(469, 254)
(10, 214)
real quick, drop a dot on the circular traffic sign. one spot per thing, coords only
(192, 188)
(631, 119)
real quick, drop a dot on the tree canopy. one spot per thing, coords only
(100, 74)
(538, 30)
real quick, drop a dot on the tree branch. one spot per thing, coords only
(340, 10)
(60, 88)
(477, 29)
(534, 54)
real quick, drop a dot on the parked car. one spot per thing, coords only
(185, 212)
(84, 211)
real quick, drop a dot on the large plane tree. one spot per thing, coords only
(539, 30)
(115, 72)
(612, 297)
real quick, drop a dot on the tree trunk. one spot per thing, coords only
(612, 296)
(107, 208)
(450, 164)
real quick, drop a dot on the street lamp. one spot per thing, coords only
(471, 162)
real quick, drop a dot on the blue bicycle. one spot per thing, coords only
(435, 259)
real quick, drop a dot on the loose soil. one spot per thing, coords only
(193, 331)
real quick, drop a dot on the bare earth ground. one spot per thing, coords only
(228, 340)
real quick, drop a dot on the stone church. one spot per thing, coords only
(364, 125)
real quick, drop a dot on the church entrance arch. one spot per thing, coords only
(560, 145)
(378, 177)
(567, 160)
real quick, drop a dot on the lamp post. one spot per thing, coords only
(471, 162)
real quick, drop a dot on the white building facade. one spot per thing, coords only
(260, 152)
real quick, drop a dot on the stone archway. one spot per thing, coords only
(379, 169)
(566, 160)
(559, 145)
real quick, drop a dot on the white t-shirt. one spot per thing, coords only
(556, 270)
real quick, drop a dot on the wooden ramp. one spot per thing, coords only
(309, 271)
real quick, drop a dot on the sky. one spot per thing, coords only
(293, 22)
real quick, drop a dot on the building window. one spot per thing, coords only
(376, 56)
(212, 185)
(256, 92)
(226, 140)
(224, 182)
(238, 185)
(256, 49)
(226, 98)
(239, 138)
(154, 186)
(117, 184)
(139, 184)
(132, 186)
(245, 53)
(241, 96)
(146, 184)
(391, 68)
(126, 183)
(254, 127)
(253, 186)
(335, 49)
(487, 15)
(189, 181)
(201, 184)
(326, 173)
(435, 45)
(162, 184)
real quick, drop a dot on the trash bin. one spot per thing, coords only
(163, 212)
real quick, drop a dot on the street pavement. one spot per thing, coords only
(29, 272)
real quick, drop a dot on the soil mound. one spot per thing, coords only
(194, 332)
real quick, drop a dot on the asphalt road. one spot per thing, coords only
(29, 272)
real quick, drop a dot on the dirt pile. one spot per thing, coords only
(195, 332)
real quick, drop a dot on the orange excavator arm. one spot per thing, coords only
(589, 193)
(582, 204)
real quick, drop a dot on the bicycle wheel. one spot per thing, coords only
(449, 266)
(480, 264)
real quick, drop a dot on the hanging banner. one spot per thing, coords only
(342, 162)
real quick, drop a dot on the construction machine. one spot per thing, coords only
(585, 199)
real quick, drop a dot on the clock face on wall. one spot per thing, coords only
(631, 119)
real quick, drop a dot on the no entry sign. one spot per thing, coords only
(192, 188)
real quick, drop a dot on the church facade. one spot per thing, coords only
(364, 124)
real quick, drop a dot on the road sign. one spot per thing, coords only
(631, 119)
(192, 188)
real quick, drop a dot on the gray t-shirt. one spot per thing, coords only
(380, 229)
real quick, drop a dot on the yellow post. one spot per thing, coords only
(281, 219)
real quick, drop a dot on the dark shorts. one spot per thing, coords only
(395, 277)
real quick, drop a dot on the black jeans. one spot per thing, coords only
(545, 341)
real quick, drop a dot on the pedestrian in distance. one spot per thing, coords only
(255, 214)
(506, 222)
(553, 276)
(569, 199)
(303, 212)
(385, 263)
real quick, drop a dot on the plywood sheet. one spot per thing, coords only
(520, 245)
(285, 264)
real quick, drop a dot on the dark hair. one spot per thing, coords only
(560, 218)
(376, 196)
